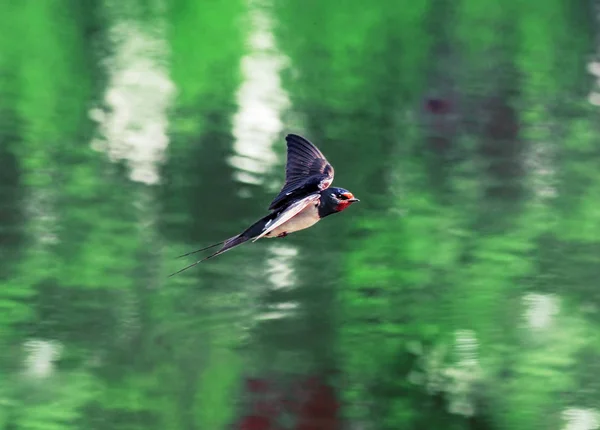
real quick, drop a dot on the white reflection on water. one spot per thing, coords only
(261, 100)
(281, 275)
(464, 375)
(540, 310)
(279, 268)
(459, 379)
(542, 173)
(278, 311)
(257, 127)
(40, 357)
(594, 69)
(133, 123)
(581, 419)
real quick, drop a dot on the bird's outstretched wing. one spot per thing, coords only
(307, 171)
(291, 211)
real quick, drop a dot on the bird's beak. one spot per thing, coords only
(353, 199)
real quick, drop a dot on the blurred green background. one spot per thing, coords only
(461, 293)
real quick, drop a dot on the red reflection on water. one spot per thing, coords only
(319, 407)
(254, 422)
(305, 404)
(268, 408)
(437, 106)
(257, 385)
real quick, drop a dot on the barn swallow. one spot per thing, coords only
(306, 198)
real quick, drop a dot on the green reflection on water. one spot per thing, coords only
(460, 293)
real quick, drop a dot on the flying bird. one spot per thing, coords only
(306, 198)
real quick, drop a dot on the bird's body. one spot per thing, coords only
(303, 201)
(307, 217)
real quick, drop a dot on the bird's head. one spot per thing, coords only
(335, 200)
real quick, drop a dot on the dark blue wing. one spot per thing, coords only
(307, 171)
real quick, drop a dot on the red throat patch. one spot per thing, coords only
(343, 205)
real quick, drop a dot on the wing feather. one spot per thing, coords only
(293, 210)
(307, 171)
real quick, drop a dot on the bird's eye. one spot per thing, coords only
(342, 197)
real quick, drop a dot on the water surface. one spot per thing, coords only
(461, 293)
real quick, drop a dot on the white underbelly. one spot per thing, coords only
(306, 218)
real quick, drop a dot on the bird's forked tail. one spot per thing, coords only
(228, 244)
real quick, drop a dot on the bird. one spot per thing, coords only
(305, 198)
